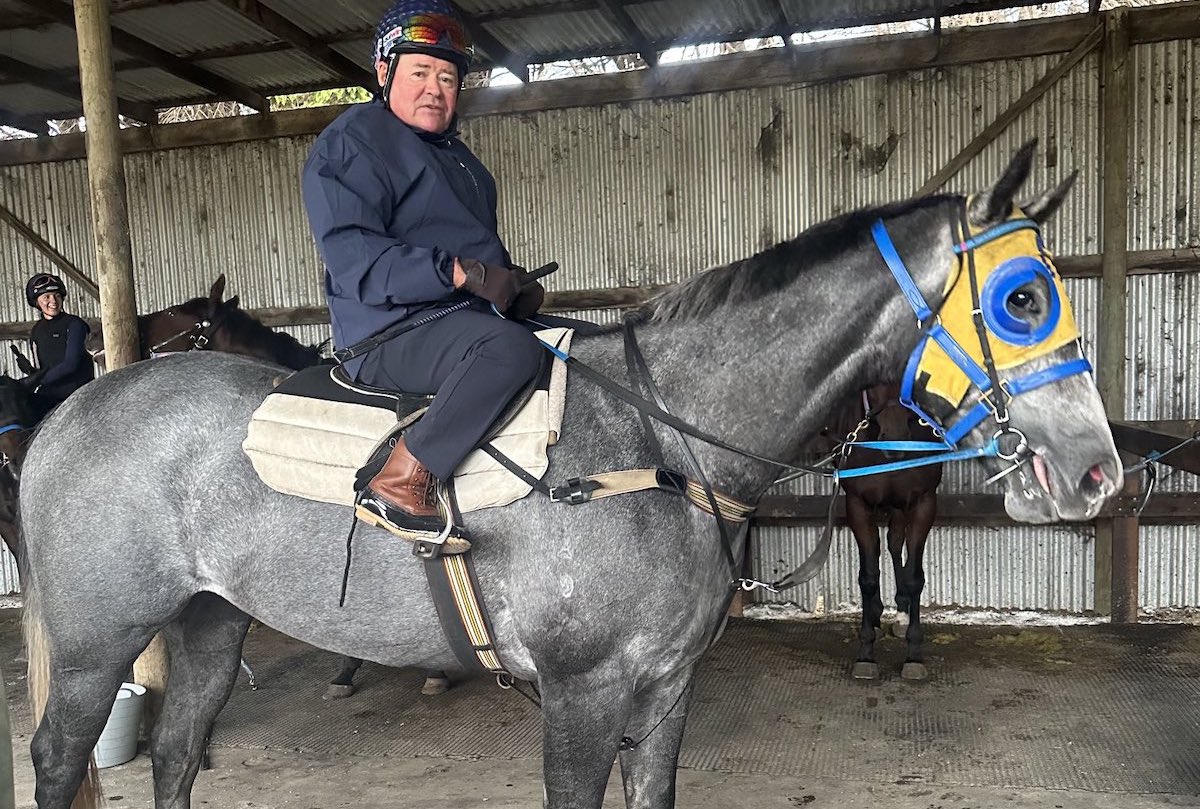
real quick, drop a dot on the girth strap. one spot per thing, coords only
(454, 587)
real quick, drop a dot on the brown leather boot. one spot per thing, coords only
(403, 499)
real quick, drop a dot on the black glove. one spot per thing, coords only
(491, 282)
(23, 363)
(531, 298)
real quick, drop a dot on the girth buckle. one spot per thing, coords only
(574, 492)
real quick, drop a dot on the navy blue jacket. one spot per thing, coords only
(390, 207)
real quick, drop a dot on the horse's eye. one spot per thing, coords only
(1022, 302)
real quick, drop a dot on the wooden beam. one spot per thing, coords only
(1014, 111)
(62, 13)
(274, 22)
(1138, 262)
(48, 250)
(498, 53)
(38, 77)
(616, 12)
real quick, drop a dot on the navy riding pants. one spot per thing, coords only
(474, 361)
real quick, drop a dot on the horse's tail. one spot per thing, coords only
(37, 646)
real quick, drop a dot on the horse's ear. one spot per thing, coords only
(1043, 207)
(217, 292)
(995, 204)
(232, 303)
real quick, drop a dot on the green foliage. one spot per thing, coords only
(320, 98)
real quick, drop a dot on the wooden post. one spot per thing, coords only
(1121, 533)
(106, 181)
(114, 255)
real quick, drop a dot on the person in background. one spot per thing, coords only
(61, 364)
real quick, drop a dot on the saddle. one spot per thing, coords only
(320, 435)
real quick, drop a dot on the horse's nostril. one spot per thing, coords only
(1095, 481)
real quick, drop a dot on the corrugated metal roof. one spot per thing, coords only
(222, 39)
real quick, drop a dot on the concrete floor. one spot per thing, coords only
(1041, 718)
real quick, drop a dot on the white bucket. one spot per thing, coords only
(118, 743)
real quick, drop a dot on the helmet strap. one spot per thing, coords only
(393, 61)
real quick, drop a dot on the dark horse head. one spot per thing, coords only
(213, 324)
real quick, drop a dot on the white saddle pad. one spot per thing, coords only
(312, 448)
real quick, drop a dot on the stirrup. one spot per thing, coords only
(427, 544)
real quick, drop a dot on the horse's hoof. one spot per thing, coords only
(864, 670)
(336, 691)
(914, 671)
(434, 686)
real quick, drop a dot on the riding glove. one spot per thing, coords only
(531, 298)
(491, 282)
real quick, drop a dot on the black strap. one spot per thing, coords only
(658, 414)
(643, 372)
(1000, 406)
(656, 452)
(515, 468)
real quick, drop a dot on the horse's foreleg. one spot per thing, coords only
(584, 717)
(920, 520)
(205, 644)
(862, 525)
(648, 767)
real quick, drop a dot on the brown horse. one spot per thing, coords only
(20, 412)
(908, 500)
(213, 324)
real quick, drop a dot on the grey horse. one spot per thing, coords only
(162, 524)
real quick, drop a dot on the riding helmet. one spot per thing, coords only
(42, 283)
(423, 26)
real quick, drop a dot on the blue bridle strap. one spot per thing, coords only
(1015, 387)
(989, 450)
(932, 329)
(1003, 229)
(8, 428)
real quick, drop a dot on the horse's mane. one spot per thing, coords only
(245, 330)
(776, 267)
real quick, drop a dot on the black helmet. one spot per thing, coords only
(423, 26)
(42, 283)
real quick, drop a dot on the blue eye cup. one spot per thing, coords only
(1007, 279)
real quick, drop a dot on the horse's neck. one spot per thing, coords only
(273, 346)
(764, 374)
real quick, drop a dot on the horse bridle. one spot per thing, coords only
(994, 394)
(199, 335)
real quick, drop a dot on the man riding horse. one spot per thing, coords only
(404, 216)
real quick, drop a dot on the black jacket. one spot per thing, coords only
(61, 356)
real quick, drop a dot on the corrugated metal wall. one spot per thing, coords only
(652, 192)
